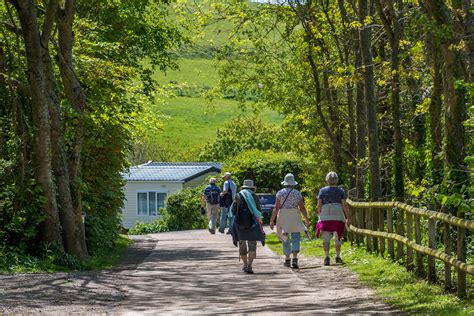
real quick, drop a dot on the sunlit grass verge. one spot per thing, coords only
(16, 262)
(109, 258)
(391, 281)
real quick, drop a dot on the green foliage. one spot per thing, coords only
(266, 168)
(158, 226)
(390, 280)
(242, 134)
(182, 210)
(110, 45)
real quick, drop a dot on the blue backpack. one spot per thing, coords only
(213, 197)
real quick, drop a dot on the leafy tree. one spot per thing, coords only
(242, 134)
(74, 82)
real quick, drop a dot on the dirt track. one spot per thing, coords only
(191, 272)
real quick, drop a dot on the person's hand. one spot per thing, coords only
(259, 220)
(271, 225)
(203, 210)
(306, 221)
(348, 222)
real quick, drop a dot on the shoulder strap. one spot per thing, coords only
(286, 198)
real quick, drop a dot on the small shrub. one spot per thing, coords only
(158, 226)
(182, 210)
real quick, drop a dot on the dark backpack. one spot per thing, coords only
(227, 199)
(244, 217)
(213, 197)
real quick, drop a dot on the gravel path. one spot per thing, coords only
(191, 272)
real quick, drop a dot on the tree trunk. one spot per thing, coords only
(333, 117)
(454, 95)
(352, 133)
(391, 23)
(76, 96)
(434, 55)
(369, 89)
(34, 48)
(361, 121)
(350, 35)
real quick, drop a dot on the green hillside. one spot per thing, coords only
(192, 119)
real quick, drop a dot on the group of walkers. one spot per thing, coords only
(289, 217)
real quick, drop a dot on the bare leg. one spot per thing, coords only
(326, 248)
(338, 250)
(251, 257)
(244, 259)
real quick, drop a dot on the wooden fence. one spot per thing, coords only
(379, 225)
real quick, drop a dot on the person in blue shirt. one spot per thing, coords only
(210, 197)
(229, 188)
(333, 215)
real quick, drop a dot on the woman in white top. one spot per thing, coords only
(289, 225)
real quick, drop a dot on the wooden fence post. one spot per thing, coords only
(419, 256)
(375, 226)
(461, 254)
(381, 215)
(410, 237)
(360, 222)
(448, 279)
(399, 226)
(390, 245)
(432, 245)
(351, 234)
(368, 217)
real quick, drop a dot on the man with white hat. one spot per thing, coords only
(229, 191)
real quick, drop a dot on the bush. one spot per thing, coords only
(182, 210)
(242, 134)
(182, 213)
(266, 168)
(158, 226)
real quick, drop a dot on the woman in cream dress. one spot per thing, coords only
(289, 206)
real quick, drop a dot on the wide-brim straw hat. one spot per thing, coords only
(248, 184)
(289, 180)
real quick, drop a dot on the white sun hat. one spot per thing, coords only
(248, 184)
(289, 180)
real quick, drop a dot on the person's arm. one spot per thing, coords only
(235, 205)
(276, 209)
(303, 211)
(345, 207)
(320, 205)
(225, 188)
(203, 200)
(259, 207)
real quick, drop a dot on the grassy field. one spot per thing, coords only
(192, 122)
(390, 280)
(198, 72)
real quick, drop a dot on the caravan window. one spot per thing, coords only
(149, 203)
